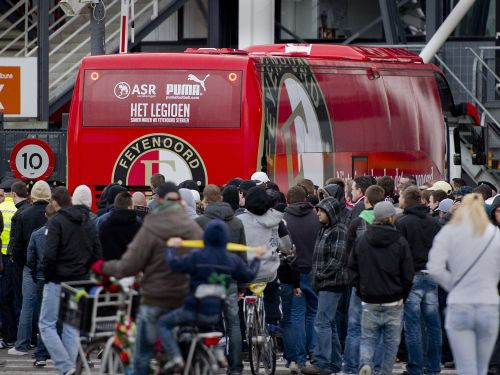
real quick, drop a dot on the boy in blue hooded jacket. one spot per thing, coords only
(212, 265)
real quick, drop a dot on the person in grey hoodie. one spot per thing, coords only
(190, 203)
(264, 226)
(261, 228)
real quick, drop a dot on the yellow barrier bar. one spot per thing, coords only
(199, 244)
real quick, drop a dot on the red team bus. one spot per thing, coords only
(294, 111)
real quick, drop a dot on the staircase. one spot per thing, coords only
(69, 37)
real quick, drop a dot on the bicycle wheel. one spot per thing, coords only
(254, 344)
(203, 363)
(268, 354)
(93, 353)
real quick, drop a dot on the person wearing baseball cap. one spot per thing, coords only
(260, 178)
(441, 185)
(443, 209)
(243, 189)
(381, 268)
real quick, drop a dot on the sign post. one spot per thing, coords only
(124, 26)
(32, 159)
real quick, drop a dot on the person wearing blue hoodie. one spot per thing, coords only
(212, 265)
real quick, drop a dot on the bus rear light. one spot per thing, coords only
(211, 341)
(232, 77)
(94, 76)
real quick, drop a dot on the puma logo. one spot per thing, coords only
(192, 77)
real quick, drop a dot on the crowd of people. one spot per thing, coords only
(360, 274)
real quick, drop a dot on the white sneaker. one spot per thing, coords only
(14, 351)
(365, 370)
(294, 368)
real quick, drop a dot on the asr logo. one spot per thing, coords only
(161, 153)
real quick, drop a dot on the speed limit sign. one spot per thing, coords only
(32, 159)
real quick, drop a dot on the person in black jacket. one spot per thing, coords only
(31, 219)
(303, 225)
(216, 209)
(373, 195)
(419, 229)
(120, 228)
(381, 268)
(71, 246)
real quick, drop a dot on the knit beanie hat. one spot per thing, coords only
(40, 191)
(82, 196)
(257, 201)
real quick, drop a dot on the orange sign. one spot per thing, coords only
(10, 90)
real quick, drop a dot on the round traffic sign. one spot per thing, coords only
(32, 159)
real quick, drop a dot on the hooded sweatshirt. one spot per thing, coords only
(188, 198)
(117, 232)
(303, 226)
(223, 211)
(329, 268)
(71, 245)
(212, 265)
(381, 265)
(419, 229)
(263, 230)
(160, 286)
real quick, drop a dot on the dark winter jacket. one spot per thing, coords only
(224, 212)
(286, 273)
(329, 269)
(358, 208)
(71, 245)
(29, 220)
(419, 229)
(159, 285)
(21, 206)
(357, 227)
(381, 265)
(303, 225)
(34, 256)
(212, 265)
(117, 232)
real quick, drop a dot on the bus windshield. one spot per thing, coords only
(162, 98)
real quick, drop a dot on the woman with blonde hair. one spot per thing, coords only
(465, 261)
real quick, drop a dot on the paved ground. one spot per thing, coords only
(17, 365)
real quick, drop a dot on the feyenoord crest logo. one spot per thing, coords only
(161, 153)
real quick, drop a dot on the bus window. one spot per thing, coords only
(162, 98)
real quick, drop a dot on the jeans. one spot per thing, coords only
(233, 331)
(288, 331)
(352, 341)
(147, 320)
(175, 318)
(423, 302)
(327, 352)
(380, 321)
(7, 313)
(32, 298)
(17, 286)
(304, 309)
(272, 302)
(64, 349)
(472, 330)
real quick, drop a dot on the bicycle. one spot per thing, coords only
(261, 344)
(95, 313)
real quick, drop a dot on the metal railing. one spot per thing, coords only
(110, 38)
